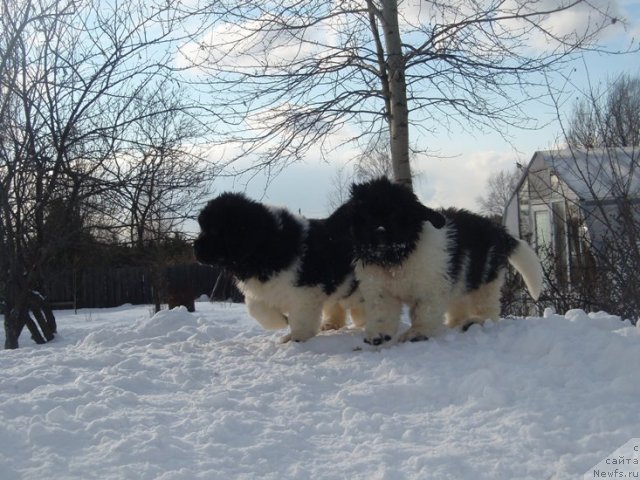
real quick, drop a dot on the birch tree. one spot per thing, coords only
(294, 74)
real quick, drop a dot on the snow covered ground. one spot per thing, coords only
(124, 395)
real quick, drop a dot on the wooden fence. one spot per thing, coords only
(111, 287)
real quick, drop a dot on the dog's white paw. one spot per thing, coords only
(332, 325)
(297, 337)
(286, 338)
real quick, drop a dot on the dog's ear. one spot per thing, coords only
(435, 218)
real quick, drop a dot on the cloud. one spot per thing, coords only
(453, 182)
(459, 181)
(264, 44)
(539, 33)
(597, 21)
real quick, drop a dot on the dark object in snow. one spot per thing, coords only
(34, 313)
(182, 297)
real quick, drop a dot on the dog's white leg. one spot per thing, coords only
(476, 306)
(333, 316)
(305, 320)
(358, 316)
(459, 313)
(355, 305)
(269, 317)
(382, 315)
(427, 320)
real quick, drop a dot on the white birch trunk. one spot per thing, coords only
(399, 111)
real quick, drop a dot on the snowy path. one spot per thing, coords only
(210, 395)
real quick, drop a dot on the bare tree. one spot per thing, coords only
(609, 118)
(580, 209)
(26, 172)
(73, 75)
(584, 126)
(340, 181)
(602, 236)
(296, 72)
(162, 174)
(623, 113)
(580, 206)
(163, 177)
(373, 162)
(500, 187)
(604, 231)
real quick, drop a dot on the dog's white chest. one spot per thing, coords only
(276, 291)
(424, 270)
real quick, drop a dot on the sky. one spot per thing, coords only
(464, 160)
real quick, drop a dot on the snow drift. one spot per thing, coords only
(120, 394)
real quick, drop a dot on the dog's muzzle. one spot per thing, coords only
(200, 250)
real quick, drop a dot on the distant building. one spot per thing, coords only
(569, 202)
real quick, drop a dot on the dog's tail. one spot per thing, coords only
(527, 263)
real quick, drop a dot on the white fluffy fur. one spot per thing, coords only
(278, 302)
(422, 282)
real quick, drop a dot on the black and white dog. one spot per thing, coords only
(291, 270)
(447, 266)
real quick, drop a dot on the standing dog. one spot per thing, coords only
(290, 269)
(445, 265)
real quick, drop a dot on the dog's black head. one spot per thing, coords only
(242, 236)
(386, 221)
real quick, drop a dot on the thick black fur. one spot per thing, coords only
(246, 238)
(485, 244)
(328, 252)
(251, 240)
(387, 219)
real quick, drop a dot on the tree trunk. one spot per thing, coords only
(14, 320)
(13, 325)
(399, 111)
